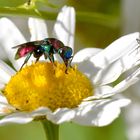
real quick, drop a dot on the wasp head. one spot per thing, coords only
(66, 54)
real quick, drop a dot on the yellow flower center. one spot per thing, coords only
(47, 85)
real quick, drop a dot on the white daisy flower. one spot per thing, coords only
(83, 95)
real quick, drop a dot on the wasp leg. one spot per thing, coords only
(26, 60)
(37, 59)
(46, 55)
(51, 58)
(70, 61)
(68, 64)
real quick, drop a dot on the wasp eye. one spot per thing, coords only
(68, 53)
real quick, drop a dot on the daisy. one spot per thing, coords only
(84, 95)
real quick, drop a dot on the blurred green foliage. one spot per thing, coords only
(68, 131)
(13, 3)
(115, 131)
(97, 35)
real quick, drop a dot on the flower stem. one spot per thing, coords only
(51, 130)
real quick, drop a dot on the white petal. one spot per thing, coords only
(100, 92)
(5, 72)
(20, 118)
(10, 37)
(88, 68)
(115, 69)
(3, 98)
(130, 80)
(42, 111)
(132, 121)
(108, 74)
(5, 109)
(2, 85)
(100, 113)
(37, 28)
(64, 27)
(85, 54)
(117, 49)
(61, 115)
(83, 63)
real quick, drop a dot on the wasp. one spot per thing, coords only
(47, 47)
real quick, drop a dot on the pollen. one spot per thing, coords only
(44, 84)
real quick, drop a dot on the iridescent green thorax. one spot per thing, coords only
(46, 48)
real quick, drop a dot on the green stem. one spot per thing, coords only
(51, 130)
(27, 12)
(88, 17)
